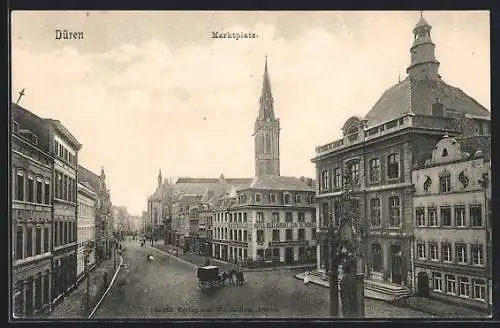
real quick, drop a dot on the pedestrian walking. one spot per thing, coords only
(307, 279)
(348, 291)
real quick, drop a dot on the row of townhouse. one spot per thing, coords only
(53, 212)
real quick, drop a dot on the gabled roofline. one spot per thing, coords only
(61, 128)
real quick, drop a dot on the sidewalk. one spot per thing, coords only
(199, 260)
(441, 309)
(422, 304)
(73, 305)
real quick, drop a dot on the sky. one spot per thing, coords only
(145, 91)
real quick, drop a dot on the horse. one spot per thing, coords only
(239, 278)
(226, 276)
(232, 273)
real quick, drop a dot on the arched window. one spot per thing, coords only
(445, 152)
(352, 133)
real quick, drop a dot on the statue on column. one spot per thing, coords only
(348, 291)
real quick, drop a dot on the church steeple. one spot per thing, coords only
(160, 178)
(103, 176)
(423, 61)
(266, 98)
(266, 134)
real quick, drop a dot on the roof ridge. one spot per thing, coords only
(464, 94)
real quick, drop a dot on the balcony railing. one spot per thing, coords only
(289, 243)
(408, 120)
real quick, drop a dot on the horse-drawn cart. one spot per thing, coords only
(208, 277)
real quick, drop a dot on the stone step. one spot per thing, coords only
(373, 288)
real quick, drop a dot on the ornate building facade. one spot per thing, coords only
(65, 148)
(272, 219)
(379, 151)
(452, 220)
(159, 211)
(54, 139)
(31, 199)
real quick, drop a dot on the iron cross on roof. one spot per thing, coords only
(21, 94)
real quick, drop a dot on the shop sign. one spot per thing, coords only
(284, 225)
(288, 243)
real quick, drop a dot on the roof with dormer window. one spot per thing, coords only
(417, 96)
(281, 183)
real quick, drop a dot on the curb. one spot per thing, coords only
(174, 257)
(226, 263)
(107, 290)
(273, 269)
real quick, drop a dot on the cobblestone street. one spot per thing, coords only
(168, 288)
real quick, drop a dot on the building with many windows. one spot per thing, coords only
(65, 149)
(272, 219)
(377, 154)
(53, 138)
(452, 219)
(104, 221)
(87, 204)
(31, 193)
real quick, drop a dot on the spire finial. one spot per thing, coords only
(421, 14)
(265, 69)
(399, 77)
(159, 178)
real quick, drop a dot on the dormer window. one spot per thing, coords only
(257, 198)
(298, 199)
(286, 198)
(352, 133)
